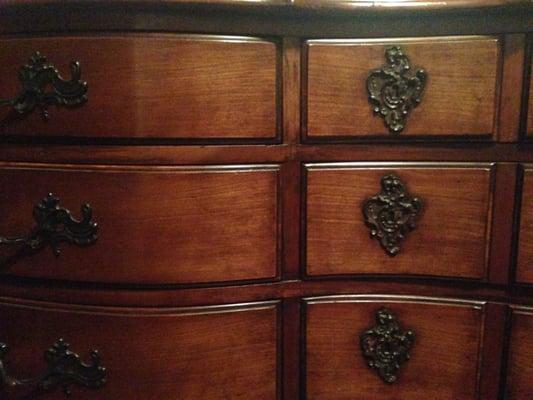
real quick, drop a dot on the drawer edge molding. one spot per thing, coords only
(64, 369)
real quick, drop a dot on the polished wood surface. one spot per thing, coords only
(171, 224)
(444, 356)
(460, 98)
(153, 353)
(529, 123)
(520, 363)
(450, 236)
(524, 269)
(153, 86)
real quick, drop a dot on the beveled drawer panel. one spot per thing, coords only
(194, 87)
(449, 238)
(524, 269)
(520, 364)
(459, 97)
(156, 225)
(151, 353)
(444, 348)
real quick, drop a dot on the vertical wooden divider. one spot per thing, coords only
(291, 217)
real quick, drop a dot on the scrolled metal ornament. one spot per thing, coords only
(393, 92)
(64, 369)
(43, 86)
(54, 225)
(391, 214)
(386, 347)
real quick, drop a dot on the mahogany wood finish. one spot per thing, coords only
(163, 353)
(520, 363)
(444, 357)
(198, 87)
(451, 232)
(524, 269)
(459, 99)
(226, 149)
(171, 225)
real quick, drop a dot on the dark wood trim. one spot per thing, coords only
(253, 19)
(291, 350)
(508, 121)
(526, 81)
(291, 217)
(491, 357)
(501, 232)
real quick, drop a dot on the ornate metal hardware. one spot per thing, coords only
(55, 225)
(65, 369)
(391, 214)
(385, 347)
(42, 86)
(393, 92)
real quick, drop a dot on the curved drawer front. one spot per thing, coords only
(457, 96)
(438, 228)
(153, 86)
(440, 339)
(520, 364)
(156, 225)
(153, 353)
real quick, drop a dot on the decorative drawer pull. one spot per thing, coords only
(55, 225)
(385, 347)
(393, 92)
(43, 86)
(391, 214)
(65, 369)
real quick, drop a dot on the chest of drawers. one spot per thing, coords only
(273, 200)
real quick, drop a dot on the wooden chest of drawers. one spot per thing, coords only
(264, 201)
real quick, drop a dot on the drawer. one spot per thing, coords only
(221, 352)
(152, 86)
(431, 219)
(440, 337)
(520, 363)
(446, 86)
(524, 269)
(156, 225)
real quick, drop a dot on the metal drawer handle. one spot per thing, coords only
(391, 214)
(385, 347)
(42, 86)
(54, 225)
(393, 92)
(65, 369)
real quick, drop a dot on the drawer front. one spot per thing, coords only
(444, 339)
(520, 364)
(152, 86)
(223, 352)
(524, 269)
(156, 225)
(458, 96)
(449, 205)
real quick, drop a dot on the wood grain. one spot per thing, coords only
(520, 364)
(154, 86)
(157, 225)
(529, 123)
(512, 77)
(451, 234)
(444, 357)
(153, 353)
(459, 100)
